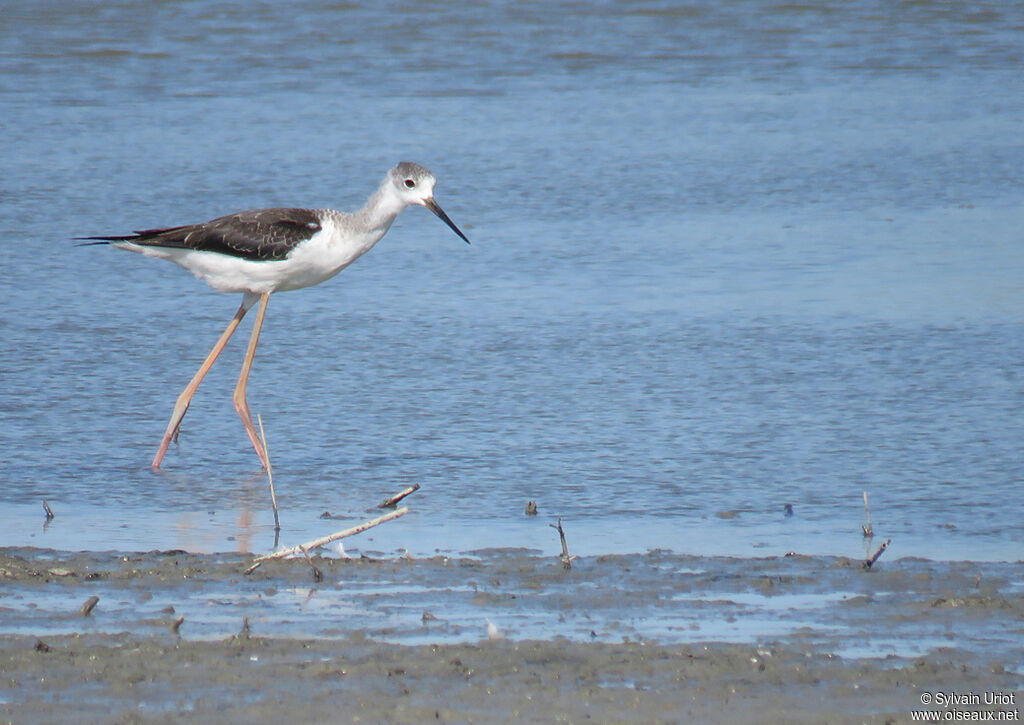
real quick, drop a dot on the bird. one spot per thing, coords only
(263, 251)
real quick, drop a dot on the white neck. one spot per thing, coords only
(380, 210)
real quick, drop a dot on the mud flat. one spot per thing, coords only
(656, 637)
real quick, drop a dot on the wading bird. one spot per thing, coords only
(273, 250)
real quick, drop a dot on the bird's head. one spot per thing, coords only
(415, 185)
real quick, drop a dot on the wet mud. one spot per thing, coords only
(500, 635)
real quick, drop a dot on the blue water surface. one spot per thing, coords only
(726, 257)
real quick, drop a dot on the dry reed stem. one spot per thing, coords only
(389, 502)
(323, 541)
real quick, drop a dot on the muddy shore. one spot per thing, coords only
(646, 638)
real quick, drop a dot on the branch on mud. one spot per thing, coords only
(244, 635)
(323, 541)
(565, 558)
(874, 557)
(88, 606)
(318, 575)
(393, 500)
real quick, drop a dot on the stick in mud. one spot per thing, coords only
(866, 528)
(392, 501)
(317, 574)
(874, 557)
(323, 541)
(243, 635)
(88, 606)
(48, 510)
(270, 474)
(564, 558)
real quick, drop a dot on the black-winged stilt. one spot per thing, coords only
(273, 250)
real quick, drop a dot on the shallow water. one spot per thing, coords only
(725, 258)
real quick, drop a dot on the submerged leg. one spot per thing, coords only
(243, 378)
(186, 396)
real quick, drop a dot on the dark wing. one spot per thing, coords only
(261, 235)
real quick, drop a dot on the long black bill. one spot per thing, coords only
(436, 208)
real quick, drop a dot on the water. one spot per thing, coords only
(725, 257)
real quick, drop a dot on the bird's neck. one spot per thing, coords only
(380, 211)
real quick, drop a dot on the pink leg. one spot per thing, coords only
(243, 378)
(181, 406)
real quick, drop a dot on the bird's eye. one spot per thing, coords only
(410, 184)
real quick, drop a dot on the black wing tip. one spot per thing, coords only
(94, 241)
(89, 241)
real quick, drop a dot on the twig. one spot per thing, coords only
(866, 528)
(244, 634)
(88, 606)
(270, 473)
(392, 501)
(323, 541)
(564, 558)
(874, 557)
(317, 574)
(48, 510)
